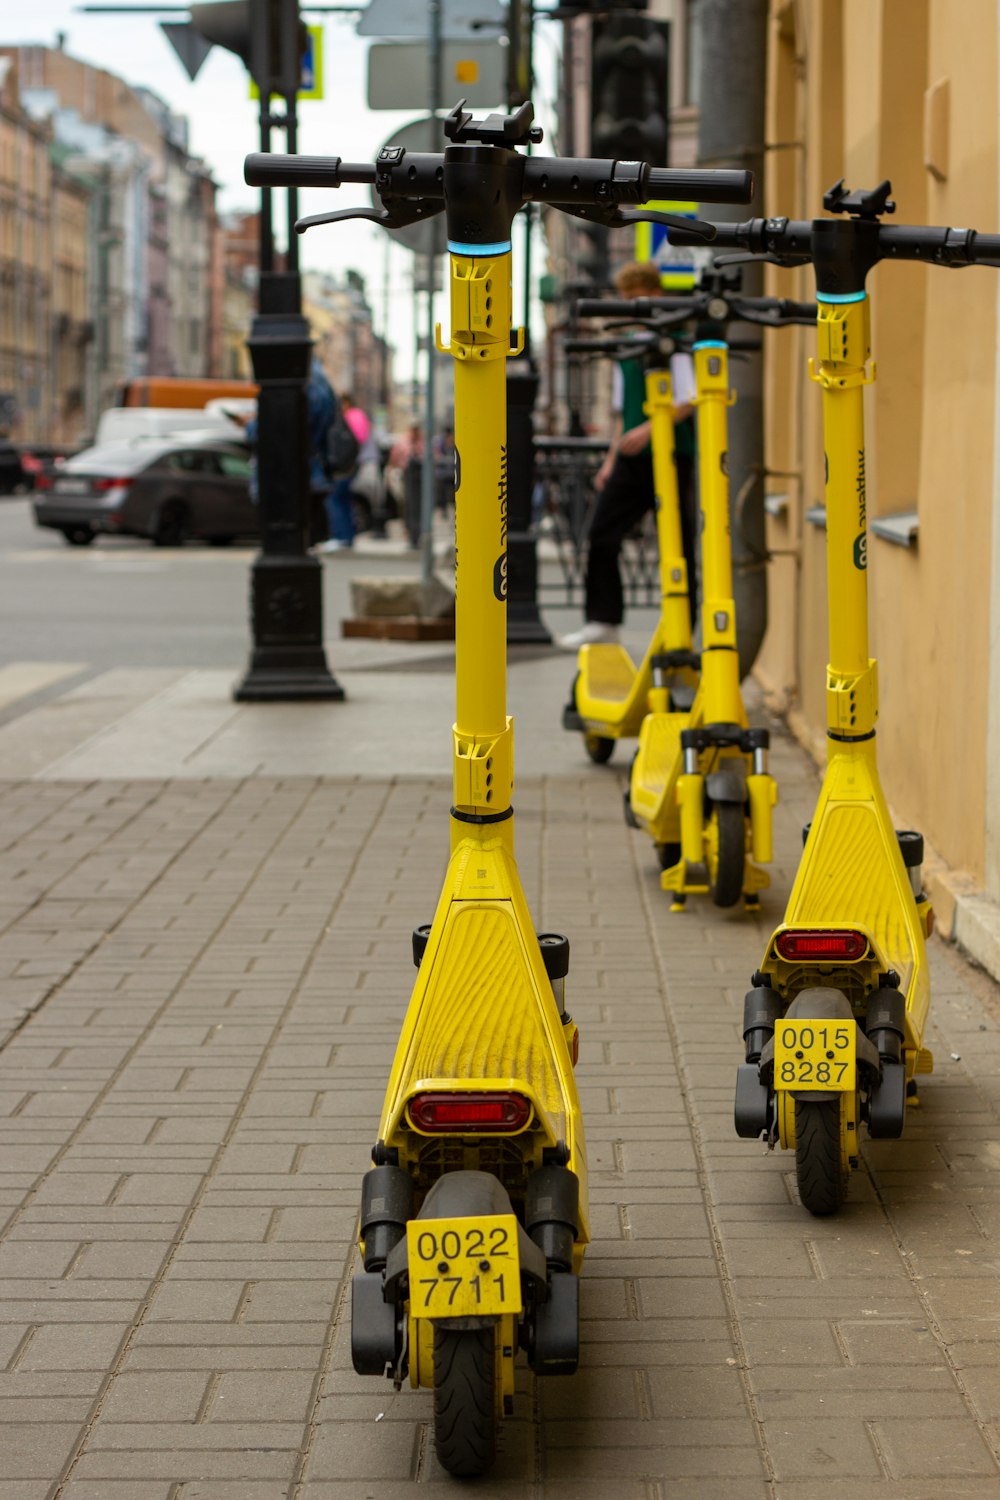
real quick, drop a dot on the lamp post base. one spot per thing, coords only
(287, 662)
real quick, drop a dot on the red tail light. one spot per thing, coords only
(472, 1114)
(822, 943)
(113, 484)
(43, 481)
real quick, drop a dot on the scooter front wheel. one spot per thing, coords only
(465, 1399)
(599, 747)
(821, 1171)
(726, 852)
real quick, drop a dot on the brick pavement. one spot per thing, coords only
(201, 984)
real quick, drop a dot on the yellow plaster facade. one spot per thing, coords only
(866, 90)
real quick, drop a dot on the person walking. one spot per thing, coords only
(339, 509)
(624, 482)
(407, 458)
(321, 408)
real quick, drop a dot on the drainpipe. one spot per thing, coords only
(731, 134)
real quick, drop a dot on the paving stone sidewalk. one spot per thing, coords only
(201, 985)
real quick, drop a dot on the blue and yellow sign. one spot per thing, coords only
(311, 77)
(678, 271)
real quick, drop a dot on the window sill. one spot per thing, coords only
(900, 528)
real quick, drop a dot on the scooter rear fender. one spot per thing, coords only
(469, 1195)
(821, 1004)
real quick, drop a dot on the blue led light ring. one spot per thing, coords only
(455, 247)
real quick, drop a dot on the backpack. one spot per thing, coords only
(341, 447)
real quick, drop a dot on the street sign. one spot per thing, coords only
(399, 74)
(418, 135)
(679, 265)
(459, 18)
(187, 41)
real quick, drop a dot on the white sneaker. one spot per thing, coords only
(332, 546)
(594, 633)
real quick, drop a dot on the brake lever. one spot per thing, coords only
(706, 232)
(613, 217)
(403, 213)
(770, 259)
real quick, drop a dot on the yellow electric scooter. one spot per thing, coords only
(834, 1021)
(474, 1217)
(699, 782)
(609, 696)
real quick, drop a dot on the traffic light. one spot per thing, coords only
(629, 89)
(267, 34)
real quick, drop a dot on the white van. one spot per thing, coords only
(121, 424)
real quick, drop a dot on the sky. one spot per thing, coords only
(223, 128)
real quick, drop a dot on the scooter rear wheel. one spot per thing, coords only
(726, 852)
(465, 1400)
(820, 1169)
(599, 748)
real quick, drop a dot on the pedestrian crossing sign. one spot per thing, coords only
(311, 77)
(679, 265)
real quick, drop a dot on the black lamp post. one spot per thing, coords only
(287, 658)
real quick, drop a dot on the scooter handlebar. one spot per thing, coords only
(939, 245)
(631, 307)
(793, 238)
(563, 182)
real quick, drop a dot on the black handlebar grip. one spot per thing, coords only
(273, 169)
(701, 186)
(986, 247)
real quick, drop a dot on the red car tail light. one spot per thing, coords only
(822, 943)
(471, 1114)
(113, 484)
(43, 481)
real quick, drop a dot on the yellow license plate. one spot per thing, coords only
(815, 1055)
(461, 1267)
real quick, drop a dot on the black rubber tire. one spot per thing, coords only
(171, 528)
(668, 855)
(726, 880)
(599, 748)
(78, 536)
(822, 1181)
(221, 541)
(465, 1408)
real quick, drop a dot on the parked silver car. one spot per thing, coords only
(167, 489)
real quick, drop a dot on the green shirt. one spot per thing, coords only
(634, 399)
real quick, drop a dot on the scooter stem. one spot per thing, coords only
(844, 344)
(720, 671)
(674, 610)
(483, 733)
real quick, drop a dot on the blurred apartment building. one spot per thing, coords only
(114, 259)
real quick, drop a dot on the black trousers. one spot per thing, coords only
(621, 505)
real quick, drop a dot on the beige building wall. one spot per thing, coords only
(850, 84)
